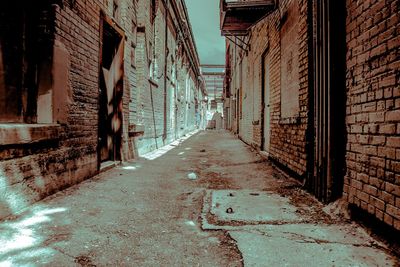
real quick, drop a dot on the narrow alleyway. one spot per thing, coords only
(238, 210)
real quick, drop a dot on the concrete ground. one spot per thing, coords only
(207, 201)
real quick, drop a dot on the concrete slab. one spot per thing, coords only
(278, 250)
(251, 206)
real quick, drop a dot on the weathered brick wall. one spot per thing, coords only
(372, 181)
(32, 171)
(150, 92)
(288, 136)
(49, 158)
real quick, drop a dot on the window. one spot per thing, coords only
(152, 62)
(153, 10)
(116, 10)
(173, 70)
(26, 45)
(133, 55)
(134, 32)
(188, 93)
(290, 82)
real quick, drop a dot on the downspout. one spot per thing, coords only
(310, 136)
(165, 69)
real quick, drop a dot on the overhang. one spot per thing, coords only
(237, 16)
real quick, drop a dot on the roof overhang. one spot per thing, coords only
(237, 16)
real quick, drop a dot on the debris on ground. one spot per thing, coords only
(192, 176)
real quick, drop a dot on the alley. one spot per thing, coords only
(163, 209)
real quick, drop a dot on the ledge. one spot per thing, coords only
(20, 134)
(136, 130)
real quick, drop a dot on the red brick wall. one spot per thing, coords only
(288, 137)
(32, 171)
(288, 140)
(372, 181)
(153, 92)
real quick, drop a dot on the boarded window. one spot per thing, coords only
(290, 82)
(26, 45)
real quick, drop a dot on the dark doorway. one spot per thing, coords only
(111, 92)
(265, 96)
(329, 105)
(238, 102)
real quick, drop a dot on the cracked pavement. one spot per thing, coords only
(148, 213)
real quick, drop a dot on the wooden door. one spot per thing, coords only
(111, 91)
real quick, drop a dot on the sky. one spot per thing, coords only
(204, 17)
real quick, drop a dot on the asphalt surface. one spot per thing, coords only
(152, 212)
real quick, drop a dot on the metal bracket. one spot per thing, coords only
(242, 44)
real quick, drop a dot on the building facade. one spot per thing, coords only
(315, 86)
(87, 83)
(168, 102)
(214, 77)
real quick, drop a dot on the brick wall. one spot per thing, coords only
(44, 159)
(288, 135)
(372, 181)
(150, 92)
(32, 170)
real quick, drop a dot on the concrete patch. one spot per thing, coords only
(251, 206)
(280, 250)
(268, 232)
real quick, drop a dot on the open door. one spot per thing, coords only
(265, 94)
(111, 92)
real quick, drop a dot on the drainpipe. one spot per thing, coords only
(310, 141)
(165, 69)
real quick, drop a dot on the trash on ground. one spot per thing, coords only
(192, 176)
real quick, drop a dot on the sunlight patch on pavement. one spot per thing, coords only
(190, 223)
(131, 168)
(162, 151)
(20, 235)
(23, 238)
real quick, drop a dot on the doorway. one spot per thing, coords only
(111, 91)
(265, 96)
(329, 103)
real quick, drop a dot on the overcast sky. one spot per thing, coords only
(204, 17)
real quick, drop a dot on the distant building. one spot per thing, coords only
(314, 85)
(214, 78)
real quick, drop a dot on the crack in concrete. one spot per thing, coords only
(63, 252)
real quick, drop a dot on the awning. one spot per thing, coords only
(237, 16)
